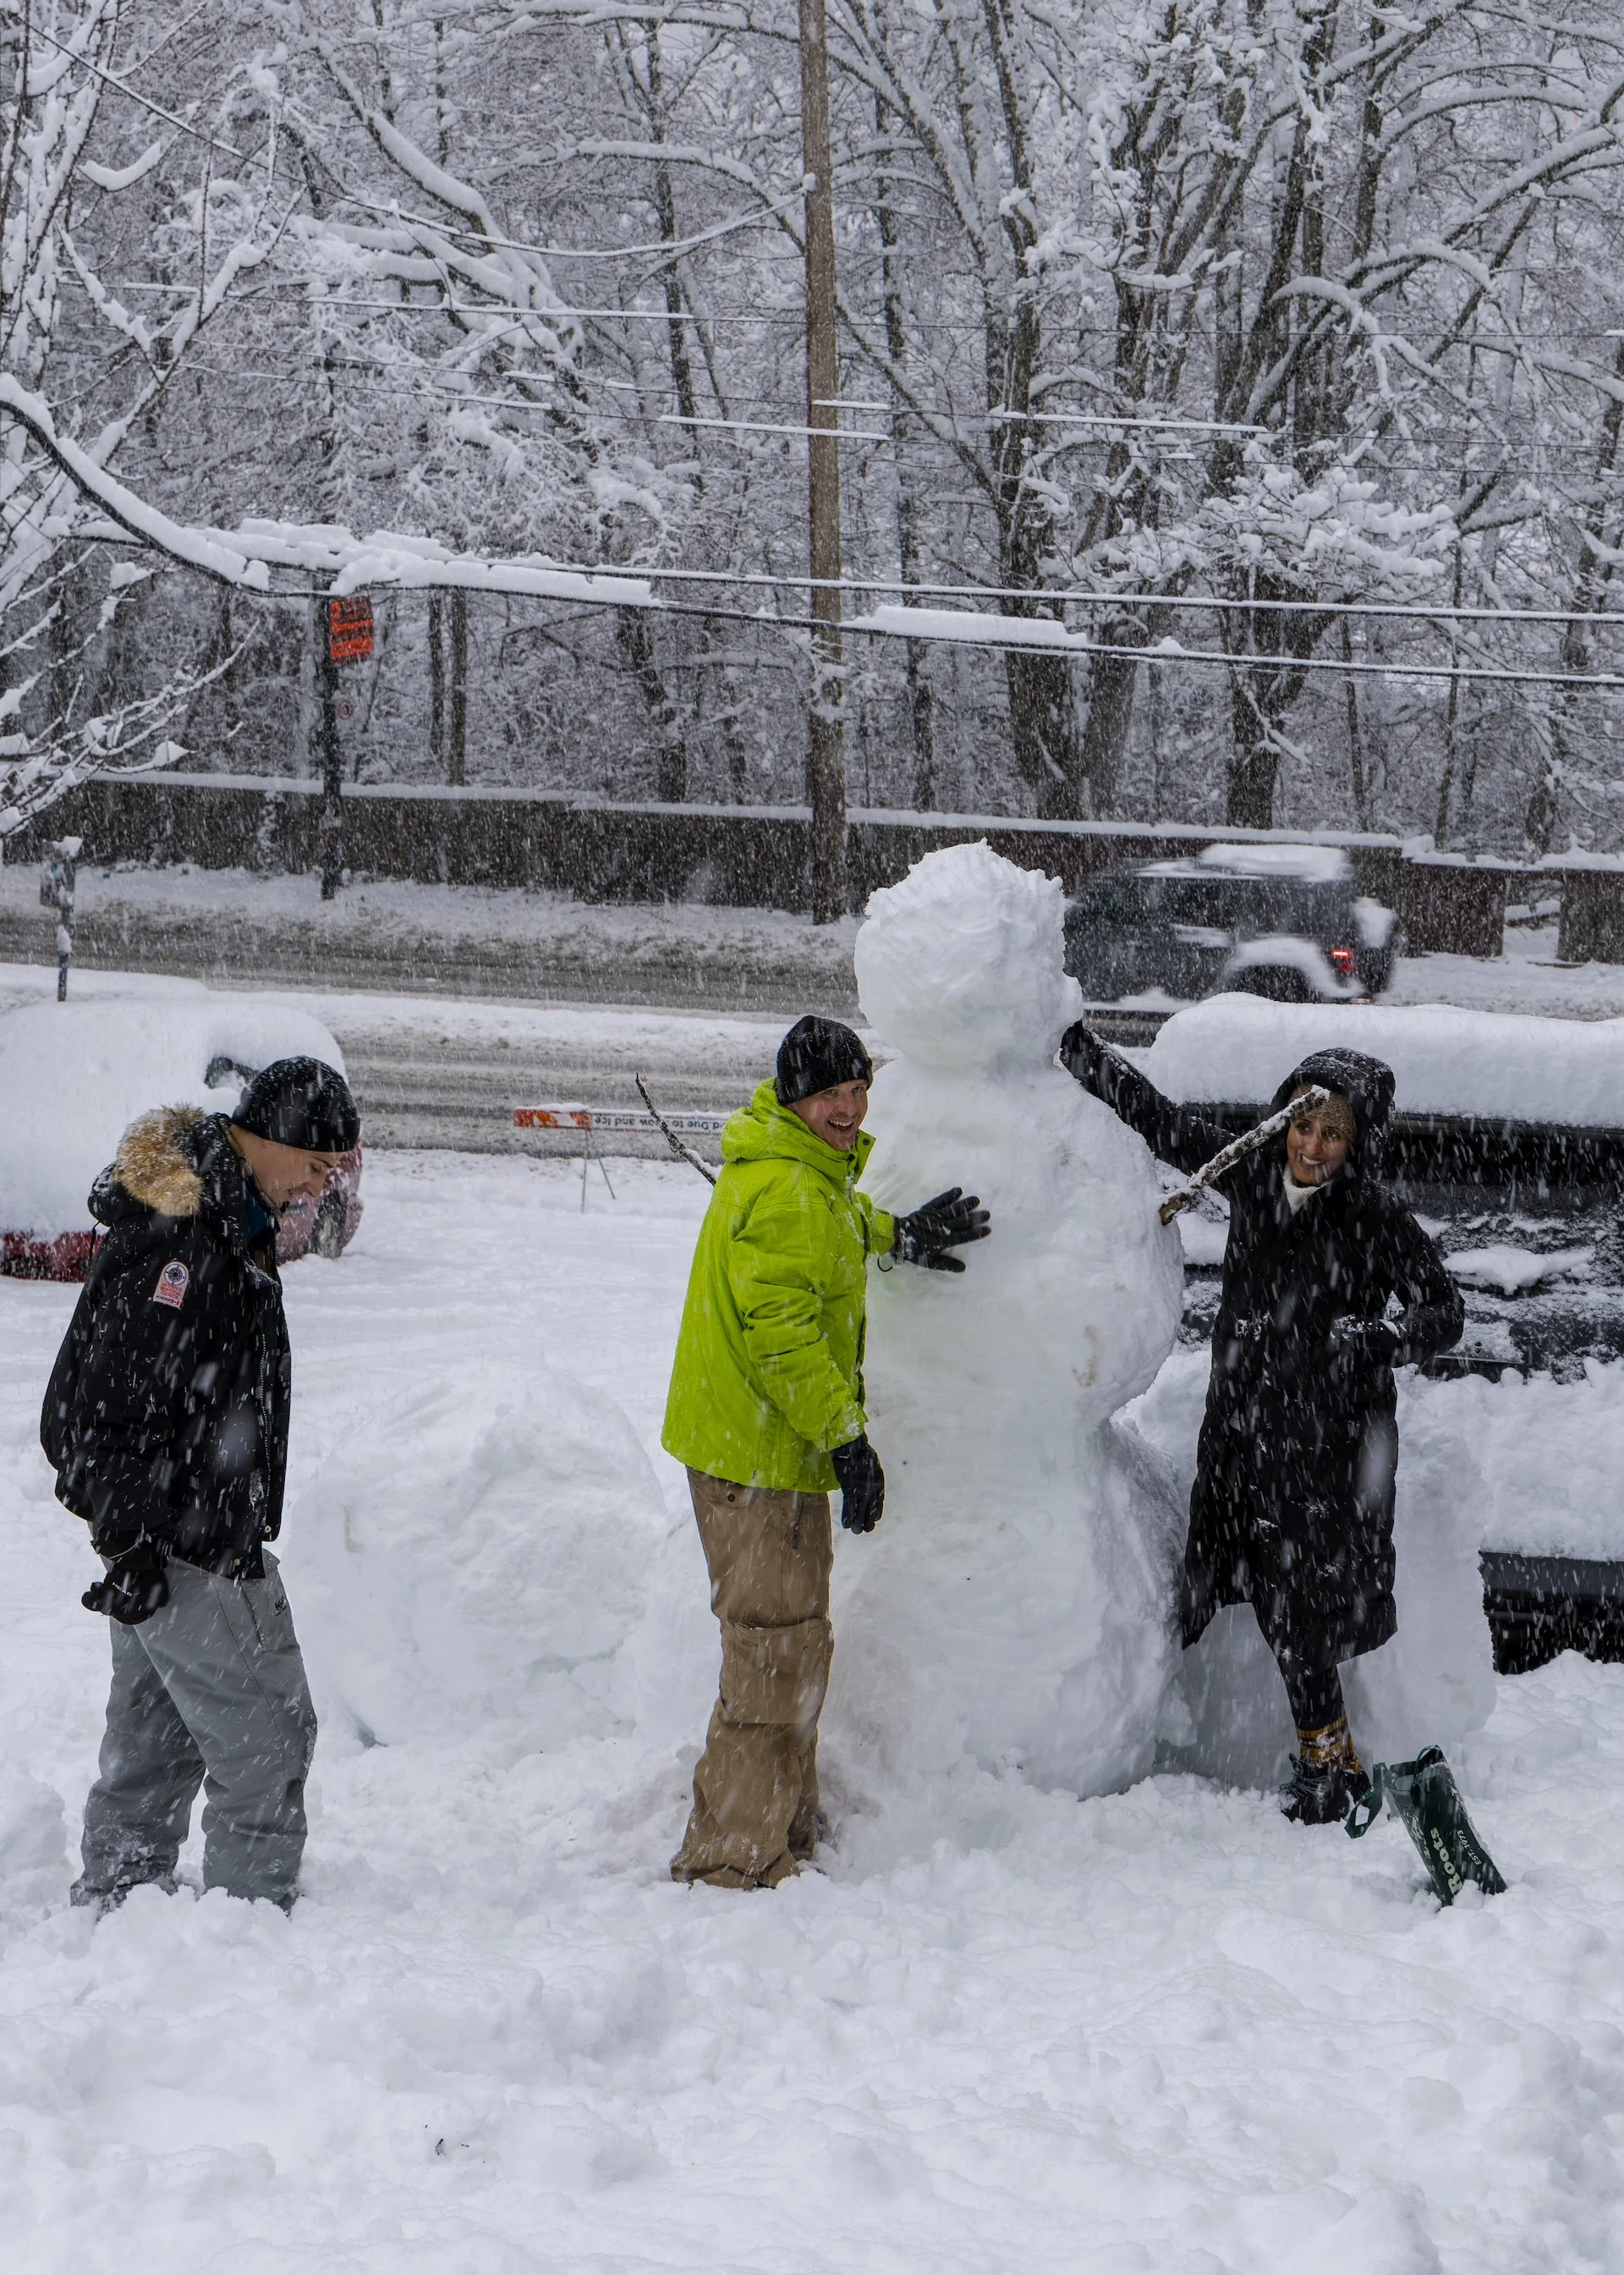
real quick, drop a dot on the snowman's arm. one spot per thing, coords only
(1177, 1134)
(1433, 1315)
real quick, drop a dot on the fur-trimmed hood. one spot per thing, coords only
(179, 1163)
(154, 1163)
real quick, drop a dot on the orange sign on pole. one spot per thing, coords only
(348, 628)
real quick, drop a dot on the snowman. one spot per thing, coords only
(1016, 1609)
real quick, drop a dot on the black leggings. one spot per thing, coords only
(1316, 1695)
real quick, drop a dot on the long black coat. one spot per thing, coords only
(1292, 1507)
(166, 1417)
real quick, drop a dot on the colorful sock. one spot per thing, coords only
(1330, 1748)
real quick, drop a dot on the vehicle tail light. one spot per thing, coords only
(1344, 960)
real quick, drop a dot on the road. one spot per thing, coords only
(449, 1081)
(447, 1085)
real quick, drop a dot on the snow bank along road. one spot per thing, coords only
(233, 928)
(1162, 2033)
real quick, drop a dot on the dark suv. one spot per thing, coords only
(1283, 921)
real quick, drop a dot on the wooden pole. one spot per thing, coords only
(331, 833)
(826, 755)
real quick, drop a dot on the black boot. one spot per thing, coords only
(1320, 1792)
(1427, 1802)
(1327, 1776)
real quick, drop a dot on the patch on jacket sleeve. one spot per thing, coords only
(173, 1283)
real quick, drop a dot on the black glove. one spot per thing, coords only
(862, 1486)
(1372, 1341)
(951, 1221)
(135, 1587)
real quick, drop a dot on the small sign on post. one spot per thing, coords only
(58, 873)
(348, 628)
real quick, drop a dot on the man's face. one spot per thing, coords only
(1314, 1151)
(282, 1172)
(836, 1115)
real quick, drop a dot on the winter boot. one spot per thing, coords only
(1327, 1776)
(1427, 1802)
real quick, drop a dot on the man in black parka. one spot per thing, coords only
(1292, 1507)
(166, 1421)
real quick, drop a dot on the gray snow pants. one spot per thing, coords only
(209, 1691)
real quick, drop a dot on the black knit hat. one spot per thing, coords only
(300, 1102)
(816, 1054)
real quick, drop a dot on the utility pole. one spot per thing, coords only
(330, 834)
(826, 752)
(345, 636)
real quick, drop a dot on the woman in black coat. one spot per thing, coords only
(1292, 1507)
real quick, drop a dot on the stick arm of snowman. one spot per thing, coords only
(683, 1152)
(1307, 1101)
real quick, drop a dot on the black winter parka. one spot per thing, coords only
(1292, 1506)
(166, 1415)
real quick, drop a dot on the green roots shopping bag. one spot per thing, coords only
(1428, 1804)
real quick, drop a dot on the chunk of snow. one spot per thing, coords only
(1322, 865)
(1513, 1270)
(481, 1551)
(123, 177)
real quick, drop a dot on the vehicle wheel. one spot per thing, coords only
(327, 1238)
(1376, 971)
(1279, 983)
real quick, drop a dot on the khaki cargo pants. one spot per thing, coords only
(755, 1790)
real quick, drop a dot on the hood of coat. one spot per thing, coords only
(176, 1163)
(1366, 1083)
(764, 1130)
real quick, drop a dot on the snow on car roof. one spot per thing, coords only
(1501, 1066)
(1324, 863)
(1316, 865)
(73, 1076)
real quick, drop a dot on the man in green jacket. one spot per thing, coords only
(766, 1411)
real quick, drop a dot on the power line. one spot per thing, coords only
(1007, 418)
(1082, 596)
(762, 427)
(664, 249)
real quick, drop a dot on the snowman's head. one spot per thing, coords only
(962, 964)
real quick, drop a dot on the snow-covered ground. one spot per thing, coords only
(1525, 977)
(1162, 2031)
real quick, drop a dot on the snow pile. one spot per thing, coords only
(1016, 1605)
(478, 1552)
(1510, 1068)
(1551, 1454)
(73, 1076)
(1512, 1270)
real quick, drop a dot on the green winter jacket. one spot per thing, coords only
(769, 1372)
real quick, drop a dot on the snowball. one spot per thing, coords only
(1016, 1605)
(479, 1552)
(73, 1076)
